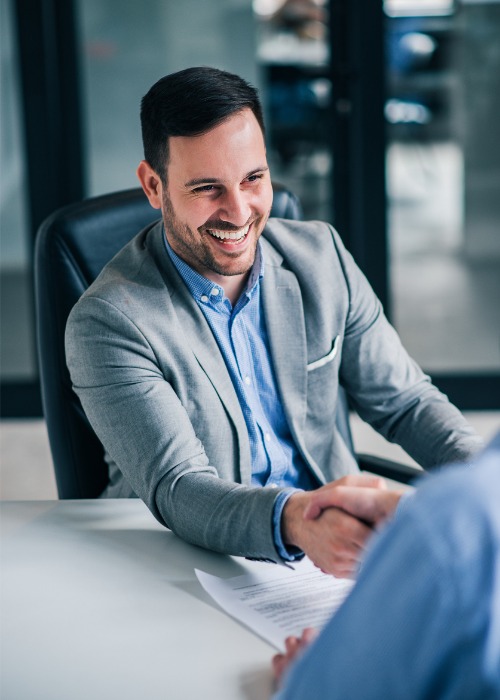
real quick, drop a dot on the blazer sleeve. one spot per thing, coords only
(146, 431)
(387, 387)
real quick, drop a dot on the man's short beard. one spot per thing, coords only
(203, 256)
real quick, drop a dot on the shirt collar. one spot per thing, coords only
(200, 286)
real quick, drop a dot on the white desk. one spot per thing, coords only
(99, 601)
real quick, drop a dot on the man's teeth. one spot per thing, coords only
(229, 235)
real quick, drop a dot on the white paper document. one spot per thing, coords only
(275, 601)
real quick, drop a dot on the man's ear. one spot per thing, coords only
(151, 184)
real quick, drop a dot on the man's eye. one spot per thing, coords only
(254, 178)
(204, 188)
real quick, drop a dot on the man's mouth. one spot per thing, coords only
(236, 236)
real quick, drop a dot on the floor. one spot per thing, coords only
(26, 467)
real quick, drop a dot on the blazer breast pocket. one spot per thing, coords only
(329, 357)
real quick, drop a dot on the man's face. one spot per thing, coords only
(218, 197)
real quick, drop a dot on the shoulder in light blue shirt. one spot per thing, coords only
(423, 620)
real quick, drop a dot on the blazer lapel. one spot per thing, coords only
(285, 324)
(204, 346)
(287, 338)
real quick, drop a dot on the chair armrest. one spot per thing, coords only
(388, 468)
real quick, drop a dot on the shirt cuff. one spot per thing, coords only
(290, 553)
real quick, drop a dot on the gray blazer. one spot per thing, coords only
(156, 390)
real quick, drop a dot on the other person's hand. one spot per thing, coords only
(371, 505)
(294, 646)
(333, 539)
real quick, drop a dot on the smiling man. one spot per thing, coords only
(209, 352)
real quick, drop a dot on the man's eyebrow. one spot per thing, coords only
(263, 169)
(201, 181)
(214, 181)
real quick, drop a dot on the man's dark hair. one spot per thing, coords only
(190, 103)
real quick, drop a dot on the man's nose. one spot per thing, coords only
(235, 207)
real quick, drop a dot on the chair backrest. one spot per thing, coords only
(72, 247)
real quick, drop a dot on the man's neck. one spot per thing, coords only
(233, 285)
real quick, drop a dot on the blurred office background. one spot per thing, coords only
(382, 117)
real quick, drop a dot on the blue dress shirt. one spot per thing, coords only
(241, 335)
(423, 620)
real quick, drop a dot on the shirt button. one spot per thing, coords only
(204, 298)
(268, 437)
(247, 380)
(214, 292)
(273, 486)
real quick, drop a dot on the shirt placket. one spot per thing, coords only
(269, 448)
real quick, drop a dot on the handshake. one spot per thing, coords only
(333, 523)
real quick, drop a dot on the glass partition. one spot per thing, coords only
(17, 345)
(443, 177)
(127, 46)
(293, 60)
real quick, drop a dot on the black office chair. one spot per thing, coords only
(72, 247)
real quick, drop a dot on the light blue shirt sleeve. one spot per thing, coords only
(423, 620)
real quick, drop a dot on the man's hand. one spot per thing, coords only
(294, 647)
(334, 539)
